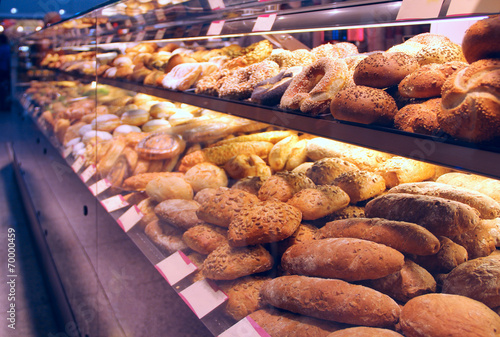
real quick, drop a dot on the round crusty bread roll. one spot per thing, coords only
(426, 81)
(365, 105)
(419, 117)
(206, 175)
(471, 102)
(429, 38)
(382, 70)
(246, 165)
(440, 53)
(482, 40)
(163, 188)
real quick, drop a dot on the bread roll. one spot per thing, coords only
(478, 279)
(419, 117)
(365, 159)
(305, 232)
(243, 296)
(315, 203)
(449, 256)
(283, 185)
(319, 148)
(281, 151)
(163, 188)
(331, 299)
(263, 222)
(478, 242)
(411, 281)
(403, 236)
(229, 263)
(205, 238)
(326, 170)
(180, 213)
(138, 182)
(448, 315)
(206, 175)
(363, 104)
(342, 258)
(347, 213)
(440, 53)
(298, 155)
(493, 227)
(481, 40)
(281, 323)
(164, 236)
(399, 170)
(440, 216)
(147, 208)
(362, 331)
(487, 207)
(488, 186)
(245, 165)
(251, 184)
(360, 185)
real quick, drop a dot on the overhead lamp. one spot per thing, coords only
(38, 28)
(13, 10)
(20, 29)
(62, 11)
(1, 29)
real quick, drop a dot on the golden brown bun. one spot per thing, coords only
(419, 117)
(449, 256)
(399, 170)
(478, 242)
(482, 40)
(206, 175)
(246, 165)
(429, 38)
(326, 170)
(488, 186)
(283, 185)
(362, 104)
(440, 53)
(315, 203)
(382, 70)
(163, 188)
(205, 238)
(177, 59)
(180, 213)
(471, 102)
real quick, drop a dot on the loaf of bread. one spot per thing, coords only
(419, 117)
(281, 151)
(229, 263)
(298, 155)
(325, 171)
(448, 315)
(331, 299)
(360, 185)
(399, 170)
(493, 226)
(342, 258)
(315, 203)
(478, 241)
(163, 188)
(165, 237)
(440, 216)
(283, 185)
(449, 256)
(180, 213)
(403, 236)
(488, 208)
(263, 222)
(365, 159)
(319, 148)
(147, 208)
(205, 238)
(363, 331)
(347, 213)
(411, 281)
(245, 165)
(488, 186)
(481, 40)
(206, 175)
(305, 232)
(251, 184)
(221, 206)
(281, 323)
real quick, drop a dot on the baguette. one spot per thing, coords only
(488, 186)
(399, 170)
(488, 208)
(342, 258)
(331, 299)
(440, 216)
(403, 236)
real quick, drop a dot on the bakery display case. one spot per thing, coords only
(291, 166)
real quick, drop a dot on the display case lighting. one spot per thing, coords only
(20, 29)
(38, 28)
(13, 10)
(62, 11)
(1, 29)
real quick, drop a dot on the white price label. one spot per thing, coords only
(246, 327)
(216, 27)
(419, 9)
(216, 4)
(140, 20)
(88, 173)
(176, 267)
(130, 218)
(67, 151)
(114, 203)
(160, 16)
(78, 164)
(460, 7)
(160, 33)
(140, 36)
(264, 22)
(99, 187)
(203, 297)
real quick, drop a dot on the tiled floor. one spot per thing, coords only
(112, 288)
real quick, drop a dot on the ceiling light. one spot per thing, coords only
(62, 11)
(13, 10)
(20, 29)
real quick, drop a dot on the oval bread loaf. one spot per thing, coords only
(449, 256)
(435, 315)
(363, 331)
(403, 236)
(342, 258)
(331, 299)
(315, 203)
(440, 216)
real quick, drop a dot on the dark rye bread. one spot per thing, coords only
(331, 299)
(440, 216)
(363, 331)
(280, 323)
(404, 236)
(448, 315)
(343, 258)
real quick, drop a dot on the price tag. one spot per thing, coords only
(160, 33)
(88, 173)
(67, 151)
(216, 27)
(419, 9)
(130, 218)
(203, 297)
(140, 36)
(264, 22)
(140, 20)
(114, 203)
(246, 327)
(109, 39)
(78, 164)
(160, 16)
(176, 267)
(216, 4)
(109, 26)
(99, 187)
(128, 23)
(458, 7)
